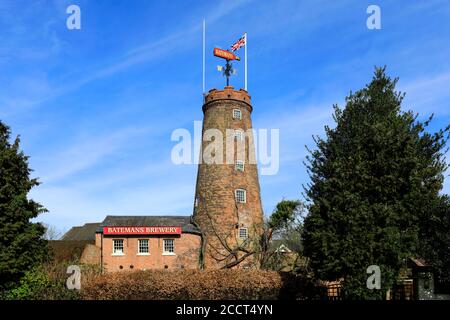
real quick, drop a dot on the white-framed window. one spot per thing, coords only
(168, 246)
(118, 247)
(239, 165)
(237, 114)
(143, 247)
(239, 135)
(243, 233)
(240, 195)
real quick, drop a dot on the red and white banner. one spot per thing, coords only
(225, 54)
(140, 230)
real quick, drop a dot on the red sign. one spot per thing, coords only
(141, 230)
(225, 54)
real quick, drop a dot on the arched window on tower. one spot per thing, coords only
(239, 135)
(237, 114)
(240, 195)
(239, 165)
(243, 233)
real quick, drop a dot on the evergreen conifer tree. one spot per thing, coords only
(375, 191)
(21, 241)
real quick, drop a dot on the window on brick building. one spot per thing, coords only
(240, 195)
(239, 135)
(143, 246)
(118, 246)
(243, 233)
(239, 166)
(168, 246)
(237, 114)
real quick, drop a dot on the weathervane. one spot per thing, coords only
(228, 55)
(228, 69)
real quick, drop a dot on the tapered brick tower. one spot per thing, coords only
(227, 204)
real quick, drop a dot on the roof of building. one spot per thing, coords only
(283, 249)
(157, 221)
(418, 263)
(86, 232)
(278, 245)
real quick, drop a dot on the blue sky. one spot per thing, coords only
(96, 107)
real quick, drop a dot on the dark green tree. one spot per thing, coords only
(22, 246)
(285, 213)
(435, 240)
(284, 227)
(375, 183)
(285, 223)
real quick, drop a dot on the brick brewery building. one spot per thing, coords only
(227, 219)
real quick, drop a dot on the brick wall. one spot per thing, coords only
(186, 253)
(91, 254)
(67, 250)
(215, 208)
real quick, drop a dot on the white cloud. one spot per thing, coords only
(428, 94)
(83, 154)
(183, 37)
(70, 206)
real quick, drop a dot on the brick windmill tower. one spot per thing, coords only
(227, 204)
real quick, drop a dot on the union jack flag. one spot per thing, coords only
(238, 44)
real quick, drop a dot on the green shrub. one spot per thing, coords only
(39, 284)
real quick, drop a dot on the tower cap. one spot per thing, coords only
(228, 93)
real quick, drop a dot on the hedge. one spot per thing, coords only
(196, 285)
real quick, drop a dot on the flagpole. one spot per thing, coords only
(203, 72)
(245, 61)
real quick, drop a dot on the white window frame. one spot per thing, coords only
(240, 199)
(168, 253)
(243, 229)
(239, 165)
(237, 114)
(141, 253)
(117, 252)
(239, 135)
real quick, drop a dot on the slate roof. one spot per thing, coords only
(156, 221)
(86, 232)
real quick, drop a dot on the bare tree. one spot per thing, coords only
(228, 250)
(52, 232)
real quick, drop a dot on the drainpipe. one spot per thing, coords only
(101, 254)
